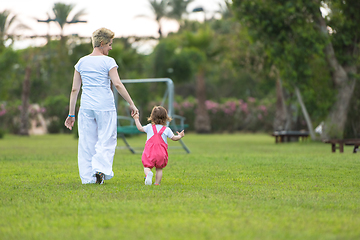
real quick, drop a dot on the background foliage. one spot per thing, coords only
(236, 58)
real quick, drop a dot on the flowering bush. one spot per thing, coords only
(57, 108)
(10, 117)
(230, 114)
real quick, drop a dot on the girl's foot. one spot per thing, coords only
(148, 179)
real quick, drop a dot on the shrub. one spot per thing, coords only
(57, 108)
(10, 116)
(230, 114)
(2, 133)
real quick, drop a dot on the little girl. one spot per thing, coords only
(155, 153)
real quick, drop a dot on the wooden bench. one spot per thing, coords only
(289, 136)
(339, 144)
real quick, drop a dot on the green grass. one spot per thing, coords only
(238, 186)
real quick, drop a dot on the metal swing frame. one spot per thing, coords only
(169, 96)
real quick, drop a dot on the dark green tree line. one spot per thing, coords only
(296, 33)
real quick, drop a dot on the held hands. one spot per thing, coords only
(133, 110)
(136, 116)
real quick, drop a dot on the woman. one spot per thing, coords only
(97, 114)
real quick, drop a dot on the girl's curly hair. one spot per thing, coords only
(159, 116)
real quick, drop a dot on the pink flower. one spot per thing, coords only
(176, 105)
(263, 109)
(244, 108)
(230, 107)
(212, 106)
(251, 99)
(2, 112)
(187, 105)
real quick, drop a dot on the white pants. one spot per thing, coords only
(97, 143)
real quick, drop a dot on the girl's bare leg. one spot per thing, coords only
(158, 176)
(146, 171)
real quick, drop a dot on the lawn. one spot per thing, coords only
(237, 186)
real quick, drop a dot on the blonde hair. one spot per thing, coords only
(103, 35)
(159, 116)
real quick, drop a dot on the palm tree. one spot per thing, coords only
(178, 9)
(226, 10)
(204, 41)
(160, 10)
(5, 23)
(62, 12)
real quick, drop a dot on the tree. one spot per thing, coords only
(160, 10)
(7, 22)
(226, 10)
(178, 8)
(186, 57)
(8, 74)
(61, 12)
(294, 32)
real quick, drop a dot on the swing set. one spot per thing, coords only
(177, 124)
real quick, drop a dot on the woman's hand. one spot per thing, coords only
(133, 110)
(69, 122)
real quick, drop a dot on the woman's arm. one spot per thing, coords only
(115, 79)
(69, 122)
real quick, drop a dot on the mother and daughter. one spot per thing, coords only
(97, 117)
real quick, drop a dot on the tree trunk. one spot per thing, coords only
(281, 111)
(306, 115)
(24, 117)
(335, 122)
(202, 119)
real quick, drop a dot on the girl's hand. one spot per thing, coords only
(69, 122)
(182, 133)
(136, 116)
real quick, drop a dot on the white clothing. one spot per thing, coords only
(97, 143)
(168, 133)
(97, 120)
(96, 92)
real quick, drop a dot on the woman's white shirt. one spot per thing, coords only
(96, 91)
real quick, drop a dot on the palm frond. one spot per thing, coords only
(78, 15)
(178, 8)
(61, 12)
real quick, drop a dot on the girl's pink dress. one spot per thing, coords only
(155, 153)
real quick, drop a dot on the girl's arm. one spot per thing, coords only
(179, 136)
(137, 122)
(115, 79)
(69, 122)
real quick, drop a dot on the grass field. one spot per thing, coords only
(238, 186)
